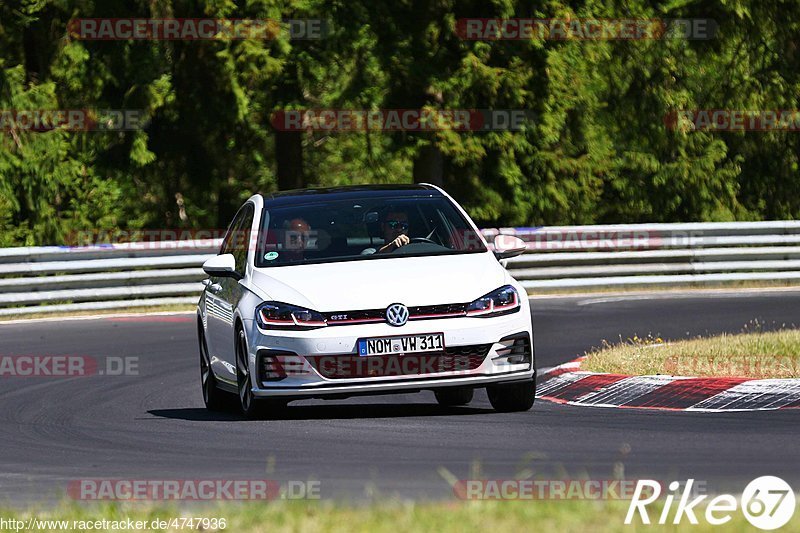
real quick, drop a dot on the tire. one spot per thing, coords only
(213, 398)
(513, 397)
(454, 396)
(250, 406)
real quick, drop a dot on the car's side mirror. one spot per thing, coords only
(223, 266)
(506, 246)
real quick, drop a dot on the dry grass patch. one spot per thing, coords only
(757, 355)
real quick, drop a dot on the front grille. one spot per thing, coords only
(454, 359)
(437, 310)
(341, 318)
(475, 350)
(420, 312)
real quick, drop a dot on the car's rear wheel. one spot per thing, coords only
(512, 397)
(213, 397)
(454, 396)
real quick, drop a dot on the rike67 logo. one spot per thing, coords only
(767, 502)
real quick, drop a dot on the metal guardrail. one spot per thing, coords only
(656, 255)
(63, 279)
(58, 279)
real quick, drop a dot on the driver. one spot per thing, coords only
(395, 231)
(298, 233)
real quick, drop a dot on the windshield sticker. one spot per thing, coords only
(271, 256)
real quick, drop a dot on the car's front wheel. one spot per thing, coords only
(213, 397)
(512, 397)
(249, 405)
(454, 396)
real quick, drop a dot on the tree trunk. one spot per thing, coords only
(429, 166)
(289, 156)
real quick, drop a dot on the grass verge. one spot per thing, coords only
(457, 516)
(757, 355)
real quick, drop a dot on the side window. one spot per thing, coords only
(229, 241)
(241, 242)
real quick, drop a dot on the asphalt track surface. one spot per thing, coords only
(153, 425)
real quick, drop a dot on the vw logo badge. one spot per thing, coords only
(397, 314)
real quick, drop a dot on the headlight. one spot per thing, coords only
(499, 302)
(277, 315)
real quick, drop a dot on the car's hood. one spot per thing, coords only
(377, 283)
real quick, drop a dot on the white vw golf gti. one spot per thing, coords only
(331, 293)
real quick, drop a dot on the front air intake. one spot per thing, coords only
(516, 350)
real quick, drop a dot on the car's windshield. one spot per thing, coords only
(367, 228)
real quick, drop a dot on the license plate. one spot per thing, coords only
(430, 342)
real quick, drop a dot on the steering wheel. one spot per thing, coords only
(421, 239)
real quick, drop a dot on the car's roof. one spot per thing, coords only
(353, 191)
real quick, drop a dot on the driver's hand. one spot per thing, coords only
(401, 240)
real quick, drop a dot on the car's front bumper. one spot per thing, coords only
(336, 347)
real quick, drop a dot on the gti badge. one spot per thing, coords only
(397, 314)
